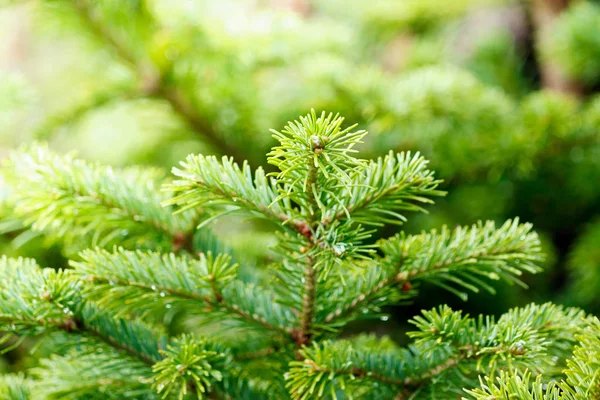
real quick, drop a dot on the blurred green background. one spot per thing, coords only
(500, 95)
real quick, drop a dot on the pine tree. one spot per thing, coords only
(153, 306)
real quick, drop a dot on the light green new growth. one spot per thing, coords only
(160, 322)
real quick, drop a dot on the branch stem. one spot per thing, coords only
(310, 275)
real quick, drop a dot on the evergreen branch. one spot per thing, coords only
(333, 366)
(395, 183)
(449, 352)
(151, 283)
(583, 367)
(34, 301)
(461, 257)
(260, 380)
(71, 199)
(92, 374)
(189, 365)
(315, 152)
(212, 184)
(135, 339)
(307, 313)
(467, 254)
(518, 386)
(536, 337)
(535, 334)
(15, 387)
(53, 302)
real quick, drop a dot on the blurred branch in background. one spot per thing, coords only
(545, 15)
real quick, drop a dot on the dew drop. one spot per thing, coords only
(384, 318)
(153, 287)
(162, 294)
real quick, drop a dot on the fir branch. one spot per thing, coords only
(189, 365)
(71, 199)
(133, 338)
(330, 367)
(518, 386)
(225, 187)
(90, 374)
(535, 337)
(34, 301)
(315, 152)
(449, 352)
(52, 300)
(583, 377)
(15, 387)
(393, 184)
(461, 257)
(150, 284)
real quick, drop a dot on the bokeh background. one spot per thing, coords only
(500, 95)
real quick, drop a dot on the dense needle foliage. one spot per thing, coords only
(152, 305)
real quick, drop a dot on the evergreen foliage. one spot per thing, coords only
(149, 286)
(110, 313)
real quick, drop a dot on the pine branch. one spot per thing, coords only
(189, 365)
(330, 367)
(224, 187)
(454, 260)
(393, 184)
(151, 284)
(45, 295)
(74, 201)
(315, 152)
(583, 379)
(518, 386)
(449, 352)
(34, 301)
(15, 387)
(105, 374)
